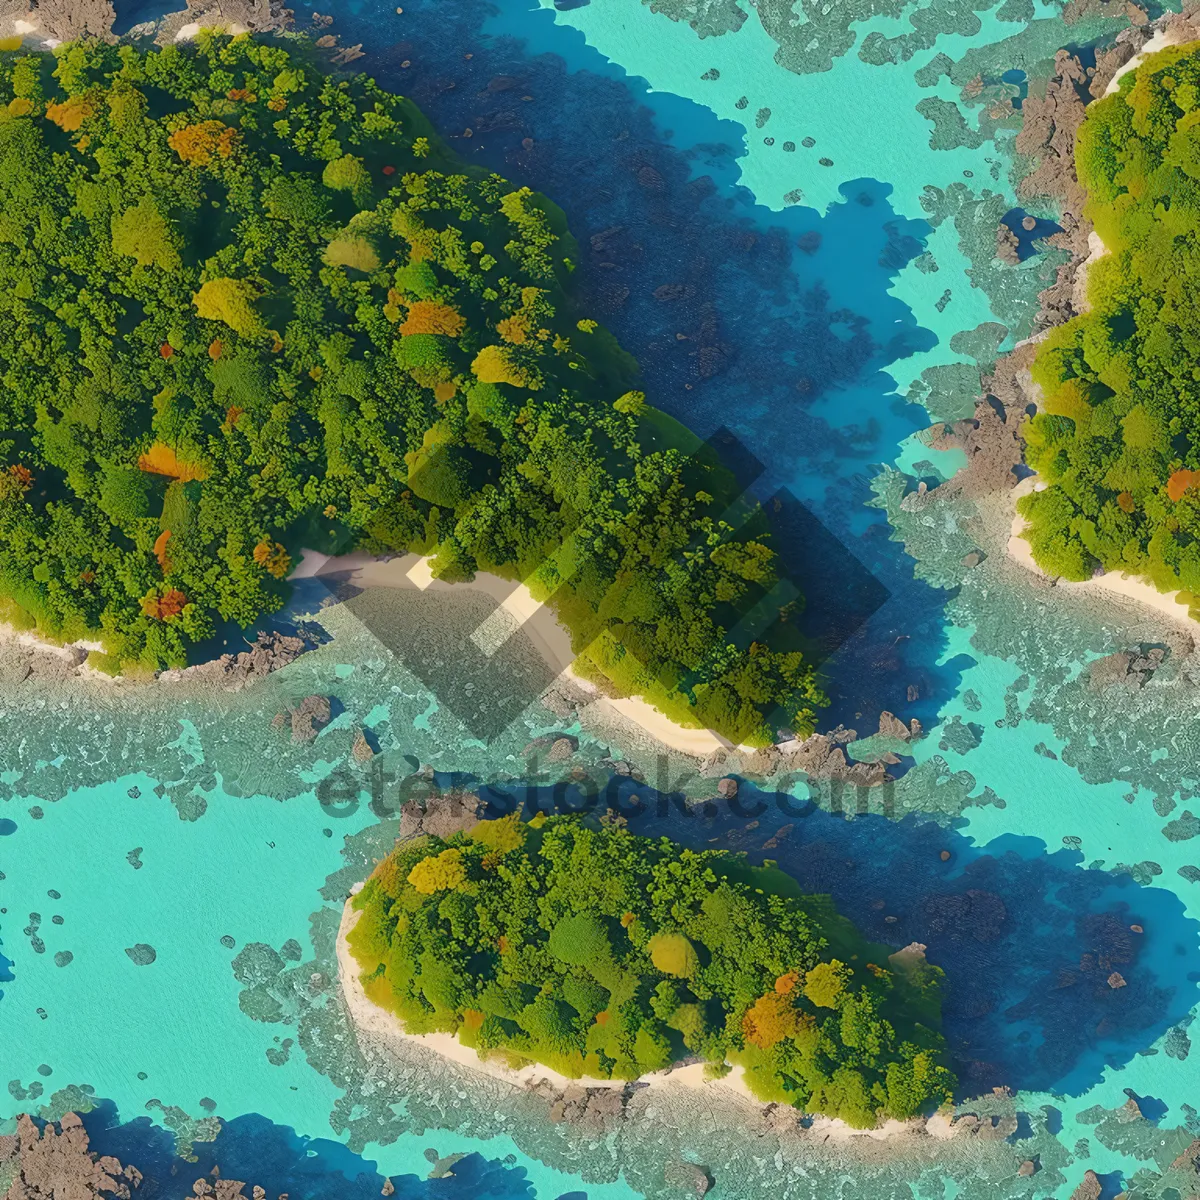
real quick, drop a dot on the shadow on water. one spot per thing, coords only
(1047, 982)
(778, 325)
(274, 1157)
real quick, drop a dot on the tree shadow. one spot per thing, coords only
(1048, 982)
(778, 325)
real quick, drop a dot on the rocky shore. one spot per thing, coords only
(991, 437)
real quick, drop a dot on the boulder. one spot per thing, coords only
(269, 652)
(361, 751)
(690, 1179)
(1189, 1160)
(56, 1162)
(891, 726)
(562, 749)
(309, 717)
(1007, 245)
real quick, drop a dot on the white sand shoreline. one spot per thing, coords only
(1160, 41)
(1112, 583)
(369, 1019)
(67, 651)
(518, 609)
(1096, 247)
(1126, 587)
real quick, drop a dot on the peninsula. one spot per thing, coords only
(248, 307)
(603, 955)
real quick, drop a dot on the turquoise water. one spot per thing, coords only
(251, 868)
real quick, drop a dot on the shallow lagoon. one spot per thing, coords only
(858, 319)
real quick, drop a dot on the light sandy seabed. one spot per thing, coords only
(384, 1028)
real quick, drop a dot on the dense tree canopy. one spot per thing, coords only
(602, 953)
(1118, 440)
(246, 307)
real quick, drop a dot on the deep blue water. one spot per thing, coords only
(1026, 938)
(741, 317)
(781, 315)
(257, 1151)
(1026, 238)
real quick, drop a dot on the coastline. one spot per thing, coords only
(1113, 584)
(368, 1020)
(1096, 248)
(517, 610)
(1162, 38)
(73, 654)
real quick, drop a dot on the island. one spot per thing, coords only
(249, 307)
(1116, 443)
(606, 955)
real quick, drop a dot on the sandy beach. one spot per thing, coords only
(1096, 247)
(517, 610)
(1160, 41)
(371, 1020)
(1112, 583)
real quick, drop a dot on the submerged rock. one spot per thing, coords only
(309, 718)
(142, 955)
(691, 1179)
(55, 1162)
(270, 652)
(1129, 668)
(444, 1167)
(562, 749)
(441, 814)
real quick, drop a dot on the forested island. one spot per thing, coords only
(601, 953)
(247, 308)
(1118, 439)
